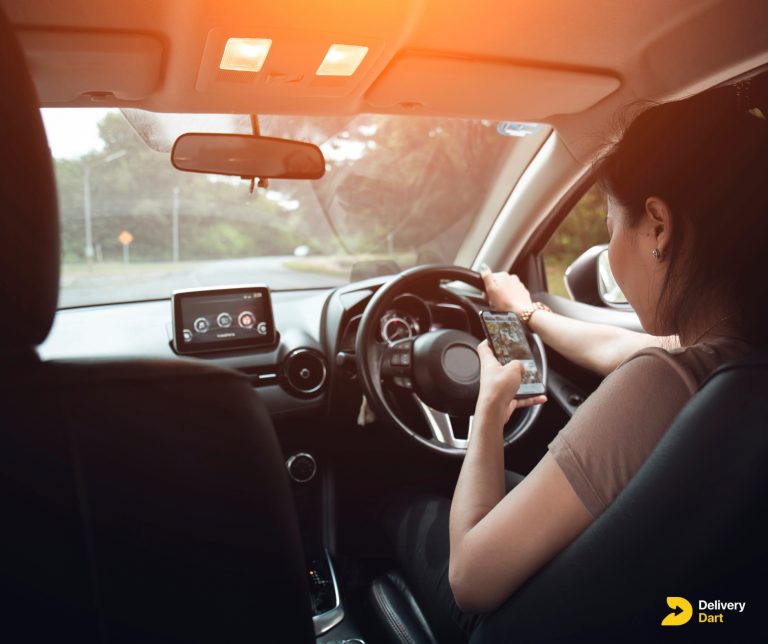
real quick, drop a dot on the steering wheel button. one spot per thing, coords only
(396, 359)
(405, 383)
(405, 359)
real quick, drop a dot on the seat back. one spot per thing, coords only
(691, 523)
(140, 501)
(146, 501)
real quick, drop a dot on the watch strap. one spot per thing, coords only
(528, 311)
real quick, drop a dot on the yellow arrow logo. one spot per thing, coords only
(676, 618)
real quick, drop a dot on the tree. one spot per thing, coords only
(582, 228)
(218, 218)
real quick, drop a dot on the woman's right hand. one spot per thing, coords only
(499, 385)
(505, 292)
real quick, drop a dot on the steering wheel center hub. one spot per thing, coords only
(461, 363)
(446, 371)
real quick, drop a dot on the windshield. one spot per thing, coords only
(398, 191)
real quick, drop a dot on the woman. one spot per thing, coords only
(687, 210)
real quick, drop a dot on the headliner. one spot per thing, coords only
(571, 64)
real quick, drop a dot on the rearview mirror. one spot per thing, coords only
(247, 156)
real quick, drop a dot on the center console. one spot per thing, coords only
(313, 494)
(327, 610)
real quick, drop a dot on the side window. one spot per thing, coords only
(582, 228)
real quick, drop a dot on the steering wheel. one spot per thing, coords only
(440, 369)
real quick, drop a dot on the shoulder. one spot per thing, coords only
(655, 366)
(692, 365)
(615, 429)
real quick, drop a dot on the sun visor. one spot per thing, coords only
(65, 65)
(486, 89)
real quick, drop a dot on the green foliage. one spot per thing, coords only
(135, 192)
(583, 228)
(419, 188)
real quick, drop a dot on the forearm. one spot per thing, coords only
(598, 347)
(481, 483)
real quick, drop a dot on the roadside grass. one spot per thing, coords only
(80, 274)
(341, 265)
(73, 275)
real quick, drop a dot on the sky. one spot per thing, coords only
(73, 132)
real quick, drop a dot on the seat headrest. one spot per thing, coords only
(29, 222)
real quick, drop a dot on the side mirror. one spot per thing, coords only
(589, 280)
(609, 290)
(247, 156)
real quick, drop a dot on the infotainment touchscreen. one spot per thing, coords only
(222, 319)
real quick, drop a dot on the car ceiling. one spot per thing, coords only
(571, 64)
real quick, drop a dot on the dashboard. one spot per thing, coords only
(298, 375)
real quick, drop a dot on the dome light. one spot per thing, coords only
(245, 54)
(342, 60)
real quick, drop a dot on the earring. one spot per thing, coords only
(656, 253)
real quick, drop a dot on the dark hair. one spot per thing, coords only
(707, 158)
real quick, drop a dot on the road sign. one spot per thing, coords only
(125, 238)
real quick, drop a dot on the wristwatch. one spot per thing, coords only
(528, 311)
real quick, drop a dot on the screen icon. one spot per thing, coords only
(246, 320)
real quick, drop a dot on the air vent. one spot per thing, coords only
(304, 372)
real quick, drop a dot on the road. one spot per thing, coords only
(130, 283)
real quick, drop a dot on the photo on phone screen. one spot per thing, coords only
(507, 339)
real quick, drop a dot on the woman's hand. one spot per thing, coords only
(499, 384)
(505, 292)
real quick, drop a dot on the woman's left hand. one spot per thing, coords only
(499, 384)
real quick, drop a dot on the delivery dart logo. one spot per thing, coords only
(682, 612)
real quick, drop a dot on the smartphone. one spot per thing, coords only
(508, 342)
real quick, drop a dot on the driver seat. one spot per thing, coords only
(691, 523)
(141, 501)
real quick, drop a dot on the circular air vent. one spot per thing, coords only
(304, 372)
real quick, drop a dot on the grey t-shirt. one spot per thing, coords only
(616, 428)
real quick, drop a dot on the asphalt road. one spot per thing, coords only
(154, 281)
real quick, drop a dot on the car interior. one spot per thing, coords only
(174, 472)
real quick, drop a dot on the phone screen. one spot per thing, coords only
(508, 341)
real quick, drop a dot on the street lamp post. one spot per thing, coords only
(87, 167)
(87, 214)
(175, 224)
